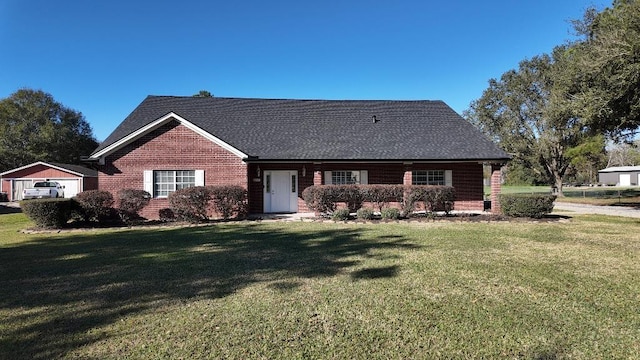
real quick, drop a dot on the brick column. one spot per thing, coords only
(317, 177)
(496, 184)
(407, 179)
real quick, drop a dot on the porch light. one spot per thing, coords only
(304, 171)
(258, 171)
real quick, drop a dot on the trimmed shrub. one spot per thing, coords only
(130, 202)
(341, 215)
(439, 198)
(527, 205)
(229, 200)
(95, 205)
(365, 213)
(166, 214)
(382, 195)
(433, 198)
(48, 213)
(321, 198)
(390, 213)
(410, 200)
(190, 204)
(352, 195)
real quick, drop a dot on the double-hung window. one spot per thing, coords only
(345, 177)
(431, 177)
(161, 183)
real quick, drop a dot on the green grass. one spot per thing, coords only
(323, 290)
(613, 196)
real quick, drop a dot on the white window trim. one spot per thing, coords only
(149, 181)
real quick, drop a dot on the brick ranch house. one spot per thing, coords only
(278, 148)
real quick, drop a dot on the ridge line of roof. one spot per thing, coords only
(291, 99)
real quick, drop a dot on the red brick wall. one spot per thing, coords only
(89, 183)
(467, 179)
(496, 187)
(175, 147)
(170, 147)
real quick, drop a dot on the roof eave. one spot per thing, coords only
(255, 159)
(45, 164)
(171, 116)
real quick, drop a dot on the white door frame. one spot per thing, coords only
(280, 191)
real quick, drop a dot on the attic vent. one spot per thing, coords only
(373, 118)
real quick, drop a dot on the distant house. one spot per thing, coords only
(74, 178)
(277, 148)
(620, 176)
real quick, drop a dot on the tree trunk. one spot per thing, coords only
(558, 186)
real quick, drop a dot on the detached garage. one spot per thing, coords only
(74, 178)
(620, 176)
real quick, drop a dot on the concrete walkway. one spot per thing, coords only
(595, 209)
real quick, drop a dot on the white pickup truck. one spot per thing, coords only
(43, 189)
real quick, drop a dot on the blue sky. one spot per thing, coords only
(104, 57)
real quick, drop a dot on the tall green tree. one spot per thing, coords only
(528, 113)
(609, 61)
(35, 127)
(587, 158)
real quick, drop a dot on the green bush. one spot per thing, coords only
(439, 198)
(382, 195)
(410, 200)
(48, 213)
(341, 215)
(390, 213)
(321, 198)
(229, 200)
(190, 204)
(527, 205)
(95, 205)
(130, 202)
(324, 198)
(352, 195)
(365, 213)
(433, 198)
(166, 214)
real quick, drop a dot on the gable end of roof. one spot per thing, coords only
(156, 124)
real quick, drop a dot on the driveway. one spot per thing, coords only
(594, 209)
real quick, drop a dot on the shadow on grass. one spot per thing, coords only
(59, 291)
(375, 273)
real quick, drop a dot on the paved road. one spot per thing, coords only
(593, 209)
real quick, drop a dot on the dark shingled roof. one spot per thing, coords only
(324, 129)
(78, 169)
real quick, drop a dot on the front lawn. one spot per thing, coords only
(323, 290)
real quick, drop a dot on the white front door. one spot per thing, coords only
(280, 191)
(625, 179)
